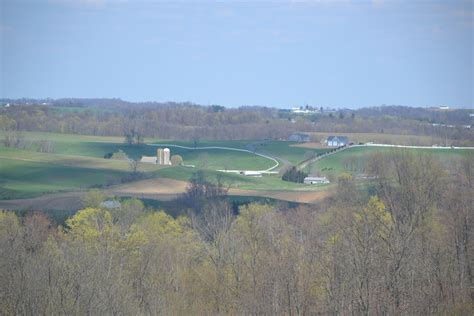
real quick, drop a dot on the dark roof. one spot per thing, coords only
(339, 139)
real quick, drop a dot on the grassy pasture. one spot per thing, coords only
(98, 146)
(78, 163)
(22, 179)
(216, 159)
(286, 150)
(74, 161)
(354, 159)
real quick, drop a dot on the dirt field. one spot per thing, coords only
(157, 189)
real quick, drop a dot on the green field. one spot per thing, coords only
(265, 183)
(286, 151)
(22, 179)
(78, 163)
(353, 160)
(98, 146)
(217, 159)
(72, 160)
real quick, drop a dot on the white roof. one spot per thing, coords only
(150, 159)
(315, 179)
(252, 173)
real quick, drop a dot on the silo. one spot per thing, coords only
(166, 156)
(160, 156)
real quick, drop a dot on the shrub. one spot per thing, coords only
(294, 175)
(176, 160)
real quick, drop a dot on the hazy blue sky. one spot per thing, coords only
(279, 53)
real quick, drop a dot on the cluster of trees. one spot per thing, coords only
(294, 175)
(407, 248)
(16, 140)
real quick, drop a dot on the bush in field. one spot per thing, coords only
(119, 155)
(176, 160)
(294, 175)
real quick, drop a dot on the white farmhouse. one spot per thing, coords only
(337, 141)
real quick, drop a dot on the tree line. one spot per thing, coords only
(189, 121)
(405, 246)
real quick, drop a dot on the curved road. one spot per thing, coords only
(225, 148)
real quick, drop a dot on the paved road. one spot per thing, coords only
(225, 148)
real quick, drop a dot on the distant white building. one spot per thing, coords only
(251, 174)
(162, 157)
(337, 141)
(149, 159)
(316, 180)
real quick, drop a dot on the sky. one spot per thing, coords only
(275, 53)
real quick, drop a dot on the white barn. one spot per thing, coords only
(316, 180)
(251, 173)
(149, 159)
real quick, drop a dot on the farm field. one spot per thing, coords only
(217, 159)
(287, 151)
(353, 159)
(98, 146)
(23, 179)
(72, 160)
(267, 182)
(78, 163)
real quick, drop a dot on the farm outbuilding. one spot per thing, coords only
(149, 159)
(316, 180)
(251, 174)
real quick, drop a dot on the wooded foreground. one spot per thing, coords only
(404, 247)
